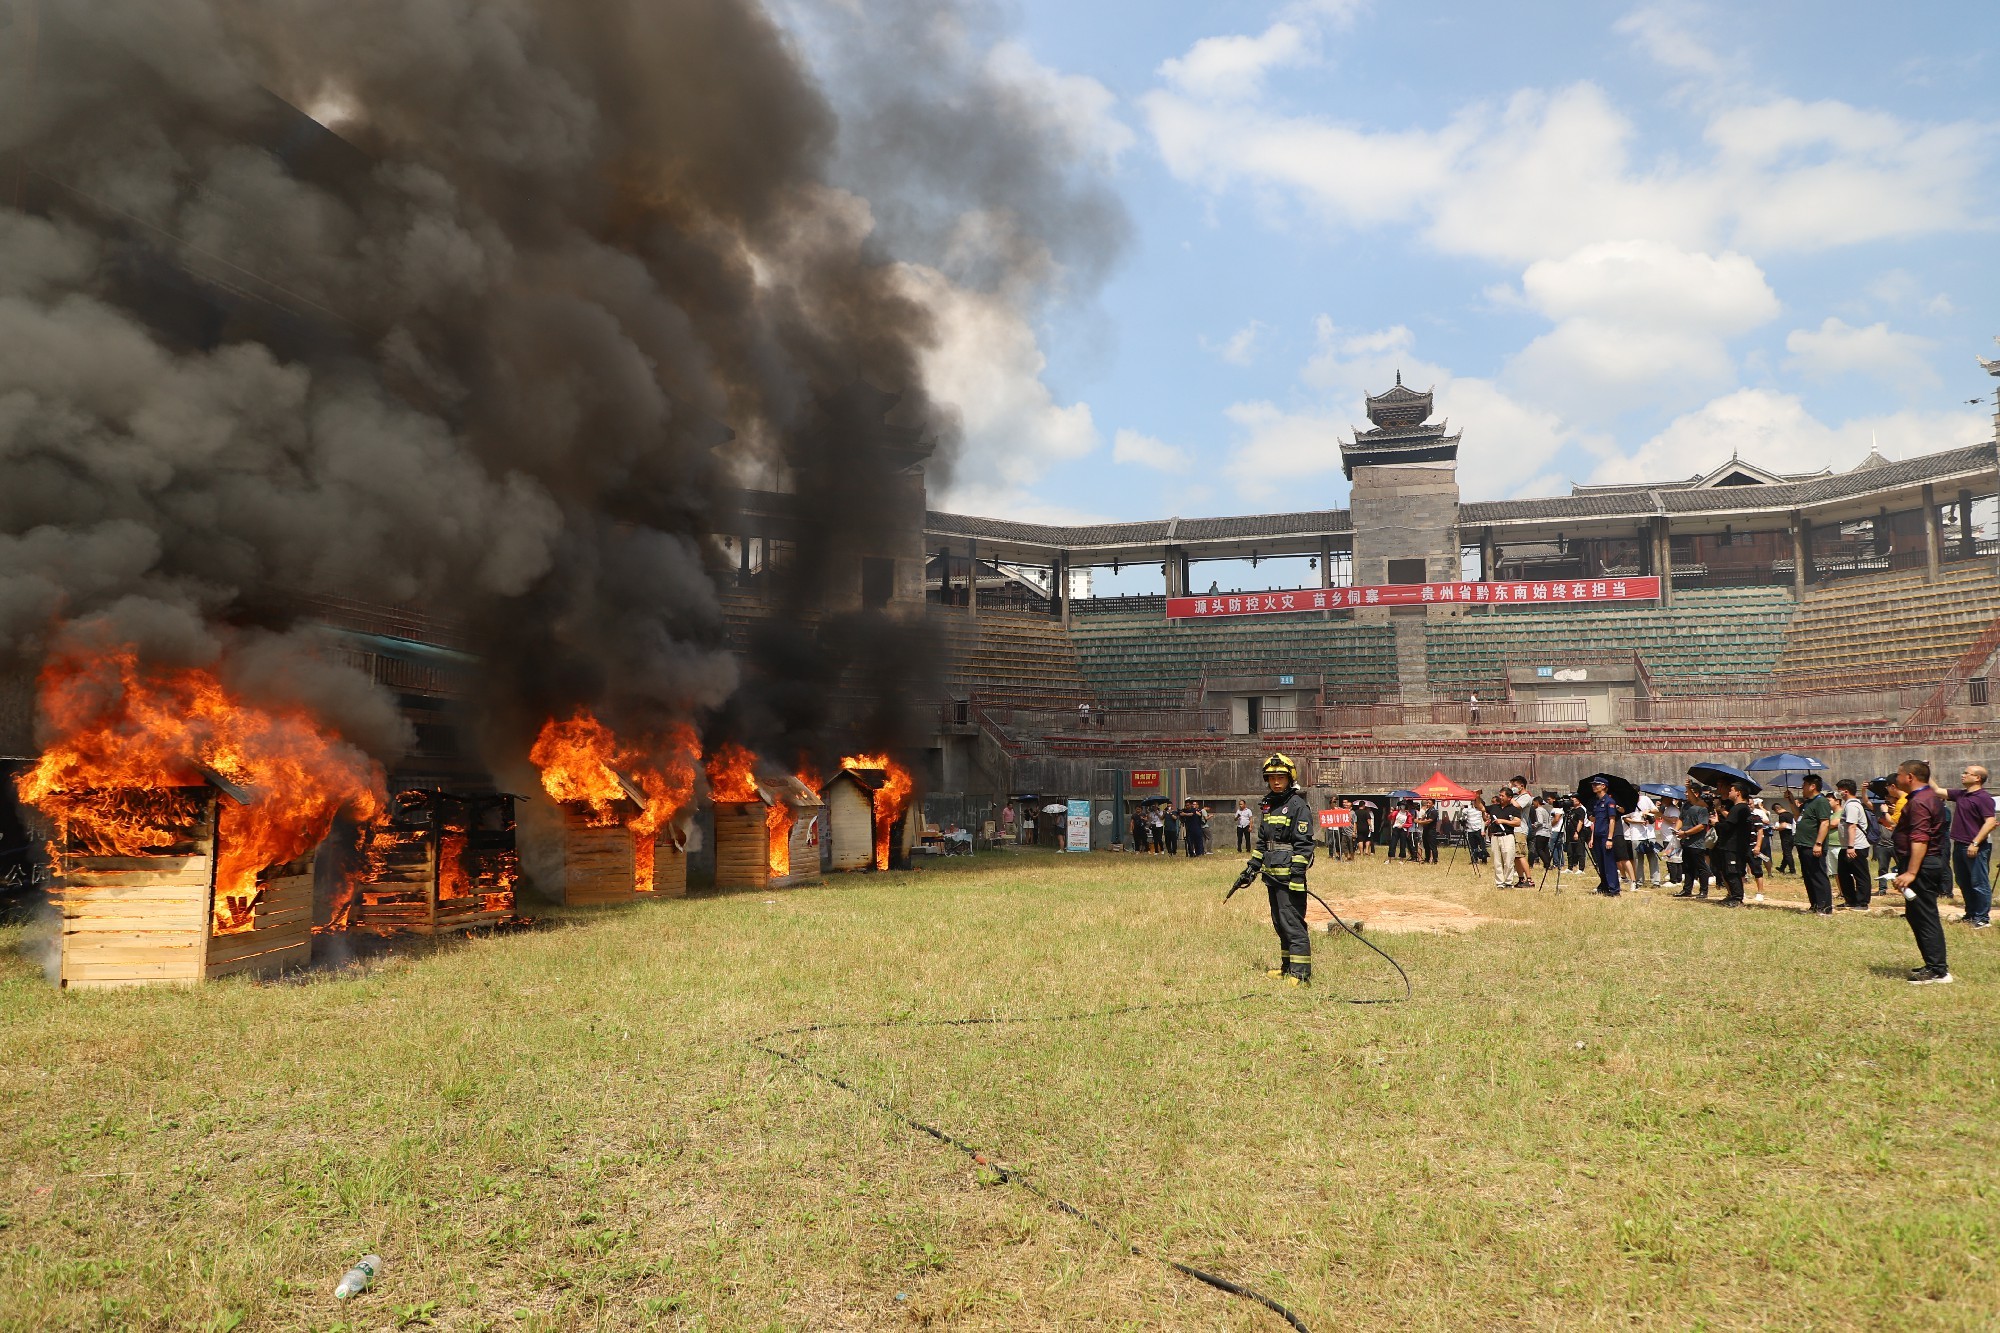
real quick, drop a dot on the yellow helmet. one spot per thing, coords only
(1279, 763)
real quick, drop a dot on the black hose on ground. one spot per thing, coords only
(1005, 1176)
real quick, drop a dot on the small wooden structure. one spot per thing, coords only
(444, 861)
(850, 796)
(581, 864)
(147, 919)
(744, 831)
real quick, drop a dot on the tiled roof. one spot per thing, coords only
(1888, 476)
(1634, 503)
(1153, 532)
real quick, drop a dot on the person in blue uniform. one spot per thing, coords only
(1604, 822)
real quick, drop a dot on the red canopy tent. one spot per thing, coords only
(1438, 787)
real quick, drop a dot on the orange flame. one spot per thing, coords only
(778, 821)
(128, 735)
(732, 774)
(890, 801)
(581, 762)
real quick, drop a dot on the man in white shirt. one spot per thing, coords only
(1856, 885)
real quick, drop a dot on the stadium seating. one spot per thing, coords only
(1888, 628)
(1703, 638)
(1010, 657)
(1126, 651)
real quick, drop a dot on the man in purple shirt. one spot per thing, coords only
(1972, 822)
(1919, 840)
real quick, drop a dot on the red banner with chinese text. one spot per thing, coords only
(1336, 819)
(1535, 593)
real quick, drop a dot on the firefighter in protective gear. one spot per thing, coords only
(1281, 851)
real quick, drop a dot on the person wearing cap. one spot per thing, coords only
(1281, 854)
(1604, 828)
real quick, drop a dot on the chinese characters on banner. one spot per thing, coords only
(1336, 819)
(1146, 777)
(1413, 594)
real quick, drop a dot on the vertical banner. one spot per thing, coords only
(1079, 827)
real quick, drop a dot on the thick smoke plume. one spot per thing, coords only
(496, 338)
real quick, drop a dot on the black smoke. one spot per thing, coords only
(493, 311)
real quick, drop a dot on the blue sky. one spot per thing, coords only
(1622, 241)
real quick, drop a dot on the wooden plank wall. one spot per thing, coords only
(280, 934)
(597, 865)
(133, 920)
(805, 852)
(572, 863)
(670, 868)
(742, 845)
(851, 820)
(405, 889)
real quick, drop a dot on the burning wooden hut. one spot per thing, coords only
(612, 829)
(865, 807)
(771, 839)
(439, 861)
(170, 905)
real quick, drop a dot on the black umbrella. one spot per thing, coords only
(1623, 793)
(1715, 775)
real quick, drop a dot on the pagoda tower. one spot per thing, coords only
(1404, 504)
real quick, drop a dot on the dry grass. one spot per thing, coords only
(1642, 1113)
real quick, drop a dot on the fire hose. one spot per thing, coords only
(1006, 1176)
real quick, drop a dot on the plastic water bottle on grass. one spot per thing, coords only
(356, 1279)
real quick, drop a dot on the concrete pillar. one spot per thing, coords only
(1930, 533)
(1489, 555)
(1062, 586)
(972, 577)
(1663, 559)
(1326, 568)
(1801, 554)
(1967, 548)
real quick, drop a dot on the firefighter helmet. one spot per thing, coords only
(1279, 763)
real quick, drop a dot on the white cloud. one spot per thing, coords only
(1652, 283)
(1837, 350)
(1240, 347)
(1507, 442)
(1636, 321)
(1129, 446)
(1234, 66)
(1664, 33)
(1899, 289)
(987, 366)
(1547, 172)
(1774, 430)
(1079, 108)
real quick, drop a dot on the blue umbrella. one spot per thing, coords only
(1784, 763)
(1405, 795)
(1785, 766)
(1717, 774)
(1672, 791)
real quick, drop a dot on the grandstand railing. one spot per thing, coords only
(1777, 707)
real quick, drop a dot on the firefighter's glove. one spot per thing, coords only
(1242, 882)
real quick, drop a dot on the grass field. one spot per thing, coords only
(1639, 1113)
